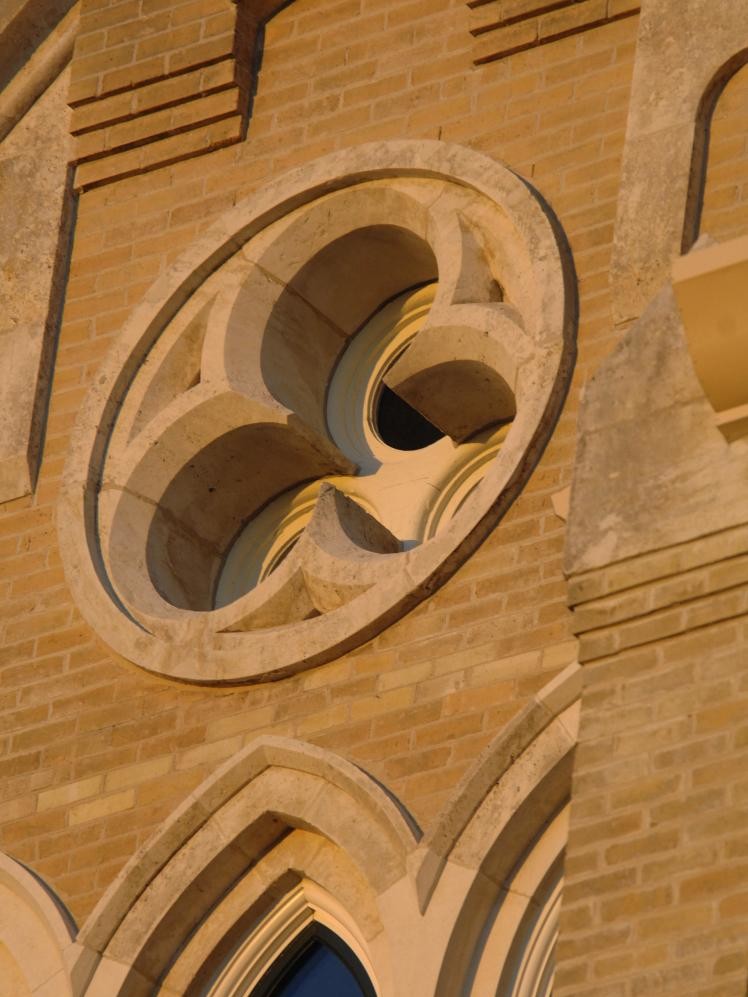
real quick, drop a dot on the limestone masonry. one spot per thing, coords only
(374, 498)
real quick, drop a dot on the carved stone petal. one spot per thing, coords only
(344, 550)
(462, 377)
(184, 487)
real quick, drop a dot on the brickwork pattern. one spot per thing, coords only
(155, 82)
(725, 208)
(502, 27)
(94, 752)
(655, 899)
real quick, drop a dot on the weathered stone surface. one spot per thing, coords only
(172, 496)
(652, 468)
(683, 59)
(24, 24)
(33, 241)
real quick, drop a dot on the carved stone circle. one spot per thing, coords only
(214, 402)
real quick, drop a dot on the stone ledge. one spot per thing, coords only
(661, 595)
(658, 626)
(204, 136)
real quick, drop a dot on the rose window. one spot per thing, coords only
(318, 413)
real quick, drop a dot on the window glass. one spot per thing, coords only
(318, 971)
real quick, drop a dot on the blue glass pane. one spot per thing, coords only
(319, 973)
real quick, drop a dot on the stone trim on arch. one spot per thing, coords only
(495, 857)
(36, 935)
(316, 890)
(286, 834)
(534, 747)
(195, 393)
(231, 823)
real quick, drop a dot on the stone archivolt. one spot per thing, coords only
(285, 836)
(37, 934)
(217, 401)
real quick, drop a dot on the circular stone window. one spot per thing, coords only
(317, 413)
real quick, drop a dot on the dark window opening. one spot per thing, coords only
(320, 965)
(399, 425)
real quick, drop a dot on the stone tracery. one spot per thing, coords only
(223, 401)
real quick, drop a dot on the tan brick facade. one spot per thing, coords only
(179, 111)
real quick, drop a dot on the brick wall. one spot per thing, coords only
(97, 753)
(154, 82)
(656, 892)
(503, 27)
(656, 899)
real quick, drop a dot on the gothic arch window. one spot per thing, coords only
(318, 413)
(318, 963)
(307, 944)
(528, 967)
(723, 171)
(287, 844)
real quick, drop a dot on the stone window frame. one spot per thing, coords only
(356, 593)
(37, 932)
(306, 912)
(231, 867)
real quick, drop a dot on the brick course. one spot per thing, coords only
(442, 682)
(658, 771)
(503, 27)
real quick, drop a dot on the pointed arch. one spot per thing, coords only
(36, 934)
(287, 838)
(266, 821)
(508, 774)
(499, 848)
(713, 92)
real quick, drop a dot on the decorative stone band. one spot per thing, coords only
(212, 404)
(167, 88)
(502, 27)
(657, 595)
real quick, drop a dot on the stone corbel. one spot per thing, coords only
(711, 288)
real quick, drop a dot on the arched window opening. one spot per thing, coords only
(409, 475)
(504, 944)
(305, 945)
(724, 211)
(318, 963)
